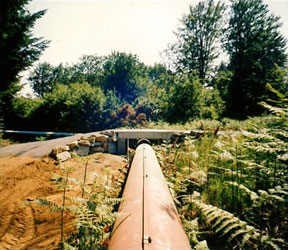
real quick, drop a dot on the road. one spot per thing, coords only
(36, 149)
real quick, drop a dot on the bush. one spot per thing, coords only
(73, 108)
(127, 116)
(186, 99)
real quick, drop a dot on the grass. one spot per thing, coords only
(251, 124)
(234, 185)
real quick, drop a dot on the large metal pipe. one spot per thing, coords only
(148, 216)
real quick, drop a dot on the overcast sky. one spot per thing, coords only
(98, 27)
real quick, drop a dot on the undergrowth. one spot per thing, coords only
(95, 211)
(231, 189)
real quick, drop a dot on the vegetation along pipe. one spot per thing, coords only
(148, 218)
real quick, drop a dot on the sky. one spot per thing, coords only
(87, 27)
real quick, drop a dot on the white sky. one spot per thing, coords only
(98, 27)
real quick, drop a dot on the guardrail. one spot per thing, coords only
(40, 133)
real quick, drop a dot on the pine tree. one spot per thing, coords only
(254, 44)
(18, 48)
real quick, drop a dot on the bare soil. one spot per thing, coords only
(25, 224)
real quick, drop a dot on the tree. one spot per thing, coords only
(18, 48)
(255, 45)
(186, 99)
(90, 67)
(43, 78)
(155, 101)
(124, 74)
(198, 39)
(78, 107)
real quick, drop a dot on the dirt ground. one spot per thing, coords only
(25, 224)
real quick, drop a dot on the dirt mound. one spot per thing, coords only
(27, 225)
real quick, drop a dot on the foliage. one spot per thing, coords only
(254, 45)
(281, 110)
(232, 188)
(66, 107)
(213, 105)
(185, 100)
(18, 48)
(198, 39)
(43, 78)
(23, 109)
(89, 69)
(126, 116)
(95, 212)
(156, 99)
(122, 73)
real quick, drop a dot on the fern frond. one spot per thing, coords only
(113, 201)
(282, 112)
(253, 195)
(43, 202)
(225, 222)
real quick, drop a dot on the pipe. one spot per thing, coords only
(148, 216)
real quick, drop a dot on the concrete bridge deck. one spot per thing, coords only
(128, 137)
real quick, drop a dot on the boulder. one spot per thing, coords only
(83, 150)
(63, 156)
(84, 137)
(91, 139)
(84, 143)
(73, 145)
(58, 150)
(105, 146)
(97, 144)
(101, 138)
(97, 150)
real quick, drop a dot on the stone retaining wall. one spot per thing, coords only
(90, 144)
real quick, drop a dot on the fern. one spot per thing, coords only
(232, 228)
(252, 195)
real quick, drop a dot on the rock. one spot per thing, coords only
(73, 145)
(73, 154)
(58, 150)
(91, 139)
(97, 150)
(83, 137)
(83, 150)
(63, 156)
(84, 143)
(97, 144)
(101, 138)
(105, 146)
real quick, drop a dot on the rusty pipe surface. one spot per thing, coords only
(148, 217)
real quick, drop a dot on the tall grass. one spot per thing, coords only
(234, 185)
